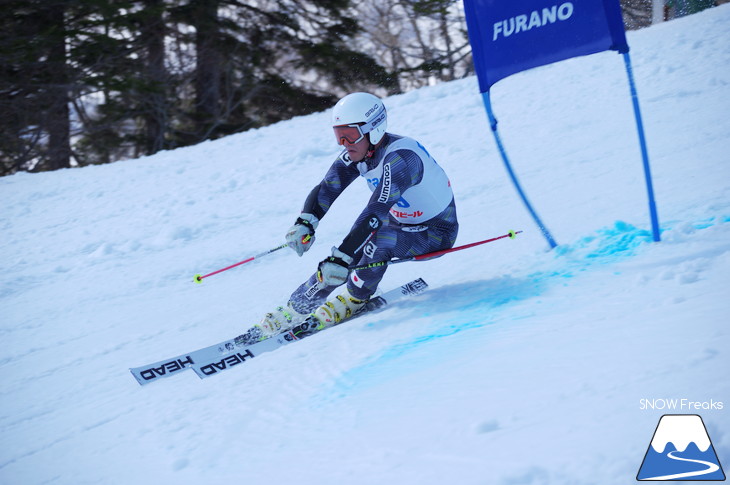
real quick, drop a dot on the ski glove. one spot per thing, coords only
(300, 236)
(333, 271)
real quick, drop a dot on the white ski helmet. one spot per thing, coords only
(364, 111)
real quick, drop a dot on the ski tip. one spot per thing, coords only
(198, 278)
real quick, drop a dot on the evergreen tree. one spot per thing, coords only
(123, 78)
(261, 62)
(34, 87)
(155, 105)
(124, 88)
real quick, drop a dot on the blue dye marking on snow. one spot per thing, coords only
(709, 222)
(620, 240)
(608, 245)
(439, 301)
(381, 366)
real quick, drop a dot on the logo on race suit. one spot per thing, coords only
(680, 450)
(374, 182)
(309, 294)
(405, 215)
(345, 157)
(374, 222)
(420, 228)
(535, 19)
(356, 280)
(385, 185)
(370, 249)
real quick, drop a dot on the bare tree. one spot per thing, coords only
(637, 13)
(421, 41)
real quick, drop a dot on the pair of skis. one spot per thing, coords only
(217, 358)
(213, 360)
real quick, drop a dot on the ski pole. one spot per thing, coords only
(420, 257)
(199, 278)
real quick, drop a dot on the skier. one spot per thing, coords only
(411, 211)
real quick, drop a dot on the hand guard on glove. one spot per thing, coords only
(333, 271)
(300, 236)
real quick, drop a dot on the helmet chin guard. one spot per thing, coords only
(365, 110)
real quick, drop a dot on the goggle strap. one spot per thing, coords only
(377, 120)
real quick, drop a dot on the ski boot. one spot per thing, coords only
(338, 309)
(273, 323)
(331, 312)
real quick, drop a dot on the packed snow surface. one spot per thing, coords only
(519, 365)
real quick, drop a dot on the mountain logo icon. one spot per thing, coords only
(680, 450)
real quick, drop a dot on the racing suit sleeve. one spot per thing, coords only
(339, 176)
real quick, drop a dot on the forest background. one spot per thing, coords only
(87, 82)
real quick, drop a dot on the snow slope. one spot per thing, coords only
(519, 365)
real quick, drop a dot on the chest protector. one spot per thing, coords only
(420, 202)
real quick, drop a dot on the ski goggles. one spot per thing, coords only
(348, 133)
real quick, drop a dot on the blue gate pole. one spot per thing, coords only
(493, 124)
(644, 152)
